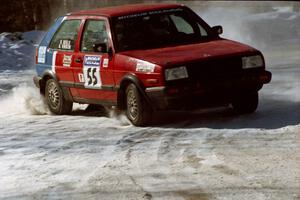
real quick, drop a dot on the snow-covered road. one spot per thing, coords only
(189, 156)
(211, 155)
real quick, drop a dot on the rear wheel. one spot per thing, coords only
(138, 111)
(245, 103)
(55, 99)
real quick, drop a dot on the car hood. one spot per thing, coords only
(192, 52)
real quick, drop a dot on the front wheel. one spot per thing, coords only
(245, 103)
(138, 111)
(55, 99)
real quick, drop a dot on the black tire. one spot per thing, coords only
(55, 99)
(245, 103)
(137, 109)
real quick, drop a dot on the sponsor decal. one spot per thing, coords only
(65, 44)
(155, 12)
(92, 61)
(42, 54)
(143, 66)
(91, 72)
(105, 62)
(81, 78)
(67, 60)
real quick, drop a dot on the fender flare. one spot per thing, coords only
(126, 80)
(48, 74)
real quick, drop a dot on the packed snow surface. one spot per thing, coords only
(194, 156)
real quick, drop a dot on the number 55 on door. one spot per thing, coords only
(91, 72)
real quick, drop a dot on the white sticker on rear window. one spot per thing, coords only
(65, 44)
(42, 54)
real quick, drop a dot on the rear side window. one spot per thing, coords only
(66, 36)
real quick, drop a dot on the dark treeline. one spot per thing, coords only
(19, 15)
(25, 15)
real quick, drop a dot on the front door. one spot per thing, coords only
(93, 72)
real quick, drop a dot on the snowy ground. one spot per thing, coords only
(191, 156)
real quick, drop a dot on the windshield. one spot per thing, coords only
(159, 28)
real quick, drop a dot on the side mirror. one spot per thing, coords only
(100, 47)
(217, 30)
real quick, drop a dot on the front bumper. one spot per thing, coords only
(206, 93)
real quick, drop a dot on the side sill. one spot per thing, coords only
(94, 101)
(81, 86)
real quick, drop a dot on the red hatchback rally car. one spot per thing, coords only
(144, 58)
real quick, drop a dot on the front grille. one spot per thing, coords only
(210, 71)
(214, 68)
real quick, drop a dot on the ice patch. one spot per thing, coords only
(211, 160)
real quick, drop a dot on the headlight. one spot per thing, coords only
(143, 66)
(252, 61)
(176, 73)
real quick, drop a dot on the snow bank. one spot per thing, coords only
(17, 93)
(17, 53)
(33, 36)
(17, 50)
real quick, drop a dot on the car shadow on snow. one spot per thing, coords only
(271, 114)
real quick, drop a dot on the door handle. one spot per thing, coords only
(78, 60)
